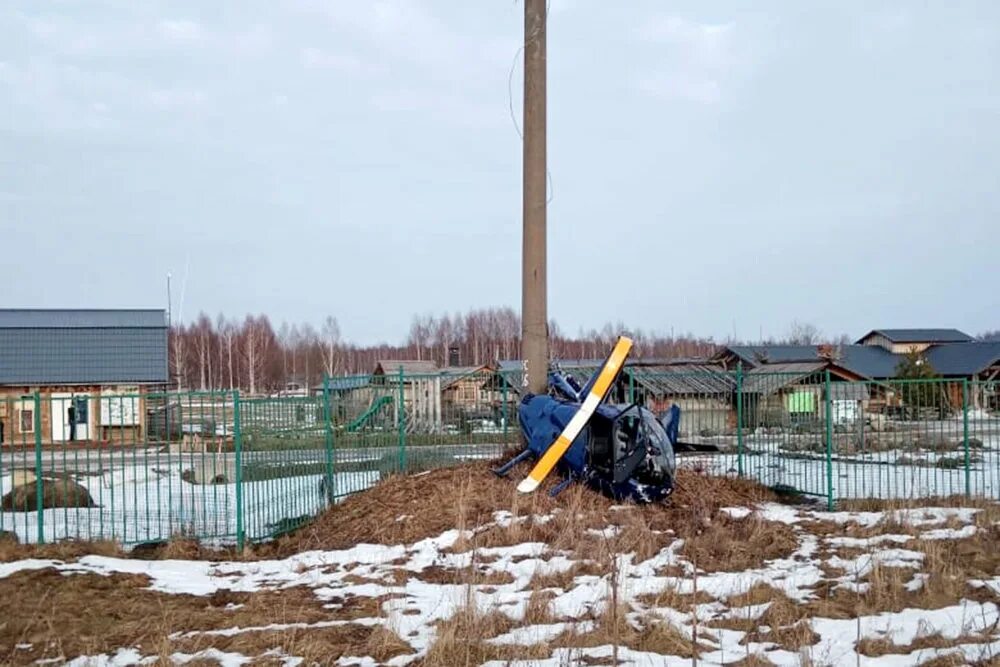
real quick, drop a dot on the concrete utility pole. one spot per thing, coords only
(534, 308)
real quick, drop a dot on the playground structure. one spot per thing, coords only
(427, 403)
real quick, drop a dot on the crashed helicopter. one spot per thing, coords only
(623, 451)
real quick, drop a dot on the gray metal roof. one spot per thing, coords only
(410, 367)
(59, 348)
(870, 361)
(963, 359)
(684, 379)
(17, 318)
(772, 377)
(921, 335)
(345, 382)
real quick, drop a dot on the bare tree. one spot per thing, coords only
(803, 333)
(308, 342)
(255, 344)
(331, 344)
(420, 334)
(177, 366)
(203, 342)
(227, 331)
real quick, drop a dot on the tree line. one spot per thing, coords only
(253, 355)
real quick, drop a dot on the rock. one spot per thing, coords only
(55, 493)
(212, 469)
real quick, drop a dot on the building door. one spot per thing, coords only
(70, 417)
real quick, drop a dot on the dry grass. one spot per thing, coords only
(947, 564)
(64, 550)
(320, 645)
(886, 504)
(952, 660)
(731, 545)
(436, 574)
(87, 614)
(565, 580)
(612, 627)
(538, 609)
(670, 597)
(785, 622)
(753, 660)
(461, 641)
(179, 548)
(874, 648)
(464, 497)
(467, 496)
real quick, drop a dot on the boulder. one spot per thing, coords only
(55, 493)
(211, 470)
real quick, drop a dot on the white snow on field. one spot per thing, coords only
(416, 606)
(140, 504)
(908, 472)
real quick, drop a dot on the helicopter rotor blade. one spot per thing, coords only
(597, 391)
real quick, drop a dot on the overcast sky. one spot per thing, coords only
(717, 167)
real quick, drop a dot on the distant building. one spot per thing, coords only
(90, 368)
(903, 341)
(468, 391)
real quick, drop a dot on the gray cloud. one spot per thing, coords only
(714, 165)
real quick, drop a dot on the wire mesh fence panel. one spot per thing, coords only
(981, 423)
(783, 428)
(367, 431)
(283, 468)
(908, 443)
(20, 511)
(98, 469)
(137, 467)
(455, 416)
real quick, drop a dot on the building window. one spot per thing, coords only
(27, 421)
(81, 410)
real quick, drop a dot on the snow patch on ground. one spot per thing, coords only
(417, 605)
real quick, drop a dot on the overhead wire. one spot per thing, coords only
(510, 97)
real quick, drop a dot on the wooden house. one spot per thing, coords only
(79, 375)
(469, 392)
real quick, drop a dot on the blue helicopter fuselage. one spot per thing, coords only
(623, 452)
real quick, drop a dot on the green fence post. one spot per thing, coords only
(503, 403)
(965, 435)
(402, 422)
(829, 442)
(238, 454)
(328, 418)
(39, 490)
(739, 418)
(631, 388)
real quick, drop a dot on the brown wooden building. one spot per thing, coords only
(79, 375)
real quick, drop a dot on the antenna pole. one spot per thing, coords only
(534, 315)
(169, 303)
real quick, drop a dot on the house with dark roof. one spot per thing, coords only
(79, 375)
(902, 341)
(951, 354)
(863, 361)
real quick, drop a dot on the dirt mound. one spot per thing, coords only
(408, 508)
(55, 493)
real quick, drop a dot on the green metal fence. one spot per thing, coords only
(227, 468)
(812, 432)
